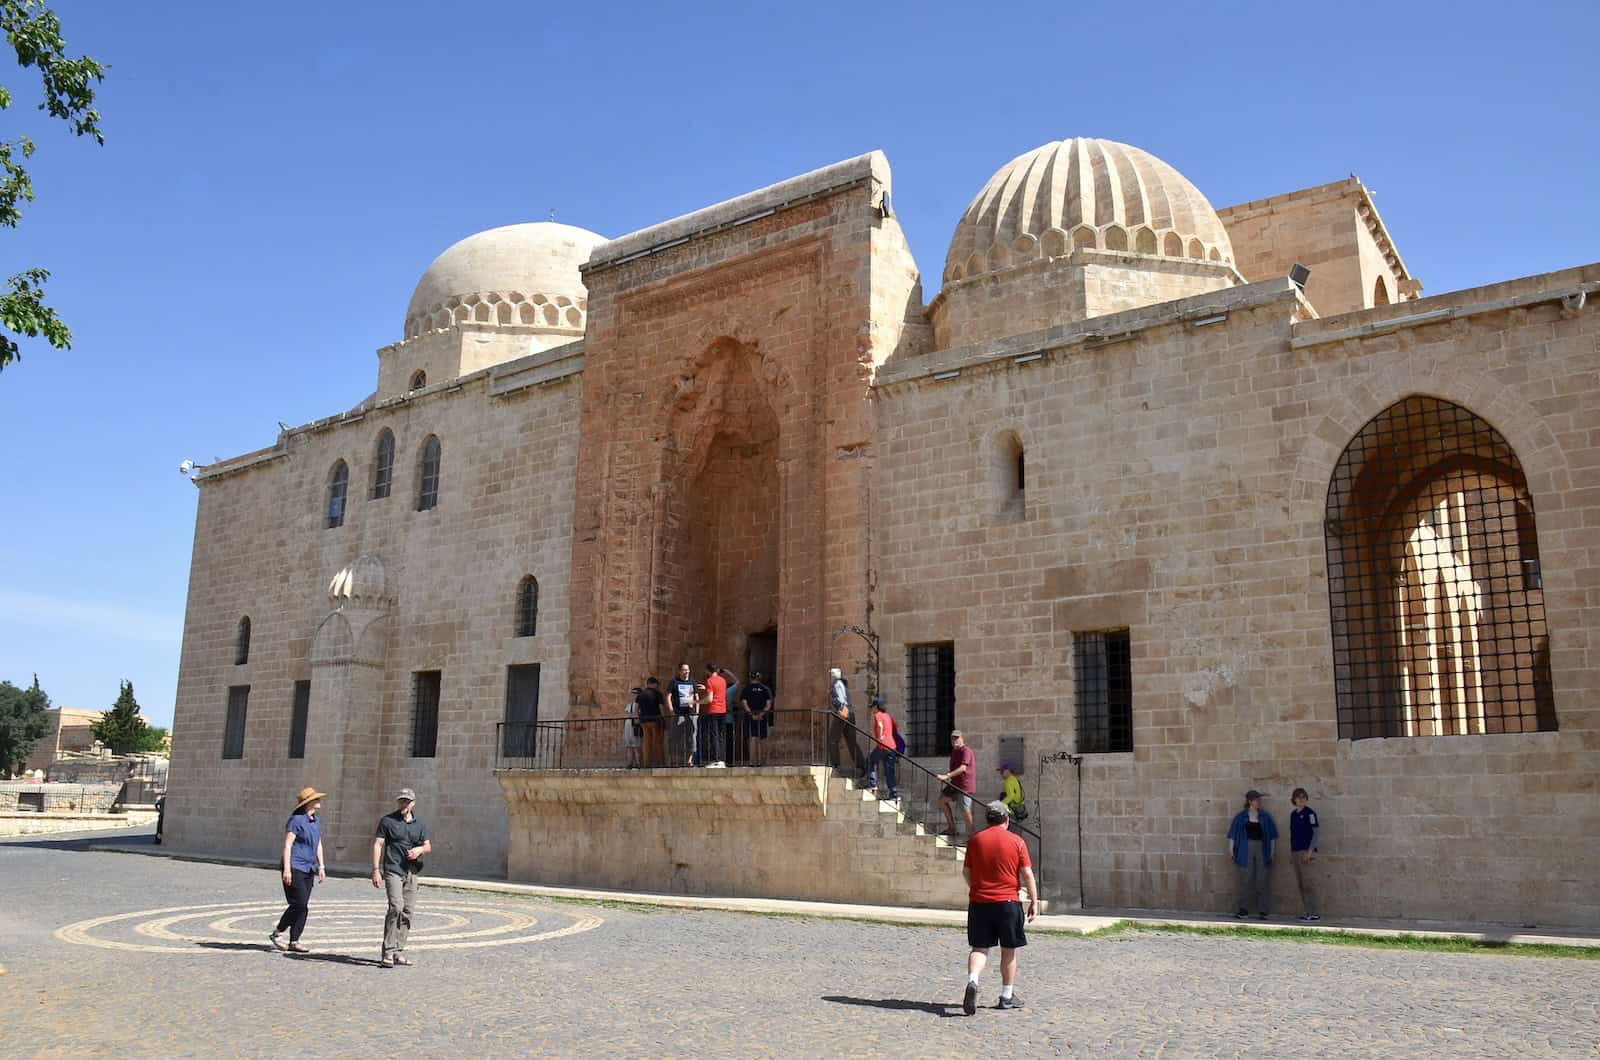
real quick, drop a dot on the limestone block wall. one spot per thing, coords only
(783, 832)
(450, 577)
(1176, 486)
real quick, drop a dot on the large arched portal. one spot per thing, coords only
(720, 550)
(1433, 580)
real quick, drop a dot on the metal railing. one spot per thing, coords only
(737, 740)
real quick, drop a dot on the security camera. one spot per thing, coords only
(186, 467)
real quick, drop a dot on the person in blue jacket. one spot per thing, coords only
(1250, 839)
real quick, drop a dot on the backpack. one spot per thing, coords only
(899, 740)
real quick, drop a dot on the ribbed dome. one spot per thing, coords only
(1083, 193)
(523, 274)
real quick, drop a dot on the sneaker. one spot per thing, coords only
(1010, 1002)
(1261, 916)
(894, 796)
(1307, 917)
(969, 1000)
(717, 765)
(295, 947)
(278, 942)
(1313, 916)
(1241, 914)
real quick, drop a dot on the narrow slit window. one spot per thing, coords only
(298, 711)
(233, 724)
(425, 713)
(338, 490)
(428, 475)
(383, 466)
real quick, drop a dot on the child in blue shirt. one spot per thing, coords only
(1303, 851)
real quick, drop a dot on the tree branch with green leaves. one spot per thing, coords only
(68, 85)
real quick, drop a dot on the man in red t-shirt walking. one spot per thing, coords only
(997, 860)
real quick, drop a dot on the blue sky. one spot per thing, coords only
(275, 180)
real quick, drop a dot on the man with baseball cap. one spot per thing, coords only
(397, 853)
(997, 863)
(1250, 840)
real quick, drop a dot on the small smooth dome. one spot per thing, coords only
(1084, 194)
(523, 274)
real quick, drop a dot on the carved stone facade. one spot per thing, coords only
(1118, 423)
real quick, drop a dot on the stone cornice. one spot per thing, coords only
(819, 183)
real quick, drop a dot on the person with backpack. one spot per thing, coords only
(840, 729)
(886, 747)
(1013, 796)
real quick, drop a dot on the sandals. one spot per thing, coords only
(401, 959)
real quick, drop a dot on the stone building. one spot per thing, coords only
(71, 729)
(1136, 486)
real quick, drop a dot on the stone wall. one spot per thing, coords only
(58, 798)
(448, 579)
(1176, 484)
(782, 832)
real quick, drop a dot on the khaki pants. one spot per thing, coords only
(402, 892)
(1255, 888)
(1305, 877)
(654, 752)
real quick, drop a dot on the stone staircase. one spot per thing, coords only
(925, 868)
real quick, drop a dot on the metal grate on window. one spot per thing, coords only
(297, 719)
(1102, 677)
(383, 466)
(424, 713)
(528, 607)
(1434, 582)
(233, 725)
(931, 704)
(338, 490)
(428, 476)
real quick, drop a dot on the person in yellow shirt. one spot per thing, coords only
(1012, 795)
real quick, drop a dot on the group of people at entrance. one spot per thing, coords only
(714, 722)
(398, 848)
(1252, 838)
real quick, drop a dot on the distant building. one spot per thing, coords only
(71, 729)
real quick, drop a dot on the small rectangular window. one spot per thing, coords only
(1102, 675)
(931, 703)
(297, 719)
(233, 726)
(522, 711)
(424, 713)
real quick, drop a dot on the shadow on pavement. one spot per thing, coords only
(931, 1007)
(263, 947)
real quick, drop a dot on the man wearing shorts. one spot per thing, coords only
(959, 784)
(757, 700)
(997, 860)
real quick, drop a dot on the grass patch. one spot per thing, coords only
(1368, 940)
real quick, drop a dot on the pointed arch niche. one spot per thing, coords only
(1434, 585)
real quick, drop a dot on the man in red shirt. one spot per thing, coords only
(997, 859)
(883, 749)
(711, 749)
(960, 784)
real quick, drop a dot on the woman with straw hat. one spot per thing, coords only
(303, 868)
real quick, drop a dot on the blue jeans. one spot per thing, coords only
(887, 757)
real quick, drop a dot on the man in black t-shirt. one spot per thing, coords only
(756, 699)
(651, 707)
(397, 853)
(686, 711)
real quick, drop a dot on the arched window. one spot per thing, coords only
(338, 489)
(1380, 292)
(528, 607)
(1008, 475)
(419, 379)
(241, 646)
(1434, 581)
(428, 475)
(383, 465)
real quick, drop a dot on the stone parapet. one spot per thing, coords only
(782, 832)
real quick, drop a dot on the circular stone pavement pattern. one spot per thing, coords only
(351, 928)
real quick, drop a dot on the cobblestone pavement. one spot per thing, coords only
(109, 953)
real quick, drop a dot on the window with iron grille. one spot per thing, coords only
(428, 475)
(931, 702)
(338, 490)
(1102, 679)
(233, 725)
(424, 713)
(528, 607)
(522, 711)
(297, 719)
(1434, 586)
(241, 644)
(383, 466)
